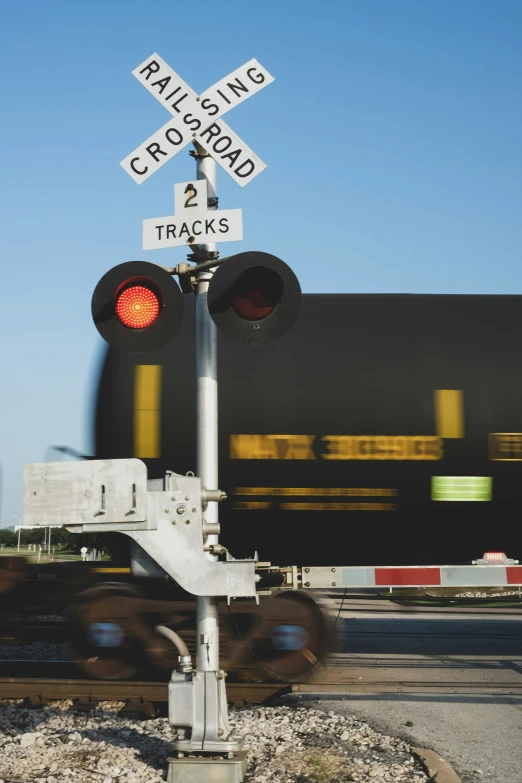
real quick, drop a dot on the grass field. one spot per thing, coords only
(58, 554)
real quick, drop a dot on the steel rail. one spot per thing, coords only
(146, 697)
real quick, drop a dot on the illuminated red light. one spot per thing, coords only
(494, 557)
(137, 307)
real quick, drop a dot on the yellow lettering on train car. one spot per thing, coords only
(383, 447)
(271, 447)
(505, 446)
(317, 491)
(339, 447)
(147, 410)
(449, 413)
(338, 506)
(251, 505)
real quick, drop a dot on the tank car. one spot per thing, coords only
(383, 429)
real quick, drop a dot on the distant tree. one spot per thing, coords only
(110, 543)
(32, 536)
(8, 538)
(61, 537)
(115, 544)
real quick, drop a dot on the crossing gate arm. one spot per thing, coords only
(316, 577)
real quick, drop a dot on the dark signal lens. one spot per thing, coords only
(252, 305)
(137, 306)
(257, 292)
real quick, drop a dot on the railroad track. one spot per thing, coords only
(143, 697)
(39, 682)
(379, 651)
(340, 675)
(149, 698)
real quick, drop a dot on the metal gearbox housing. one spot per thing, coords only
(198, 713)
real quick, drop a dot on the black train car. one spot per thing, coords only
(383, 429)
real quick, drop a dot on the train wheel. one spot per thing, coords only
(106, 632)
(284, 638)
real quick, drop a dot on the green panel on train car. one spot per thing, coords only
(457, 488)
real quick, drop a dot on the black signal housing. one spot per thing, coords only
(254, 298)
(159, 293)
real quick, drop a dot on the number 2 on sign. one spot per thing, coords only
(188, 195)
(192, 190)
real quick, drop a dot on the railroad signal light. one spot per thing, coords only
(254, 298)
(137, 306)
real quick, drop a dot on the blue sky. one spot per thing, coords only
(392, 135)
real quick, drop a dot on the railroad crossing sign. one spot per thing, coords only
(192, 222)
(196, 118)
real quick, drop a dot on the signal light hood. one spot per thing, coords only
(254, 298)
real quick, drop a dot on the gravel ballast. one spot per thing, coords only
(34, 651)
(289, 744)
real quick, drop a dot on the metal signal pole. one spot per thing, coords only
(207, 643)
(210, 731)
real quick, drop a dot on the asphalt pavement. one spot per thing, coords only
(445, 679)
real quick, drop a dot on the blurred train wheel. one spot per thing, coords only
(106, 641)
(282, 638)
(13, 569)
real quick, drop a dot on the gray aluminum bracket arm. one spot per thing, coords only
(114, 496)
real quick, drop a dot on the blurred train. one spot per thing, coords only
(382, 429)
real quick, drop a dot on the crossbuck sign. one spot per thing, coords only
(196, 118)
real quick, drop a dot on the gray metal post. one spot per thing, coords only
(207, 644)
(210, 731)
